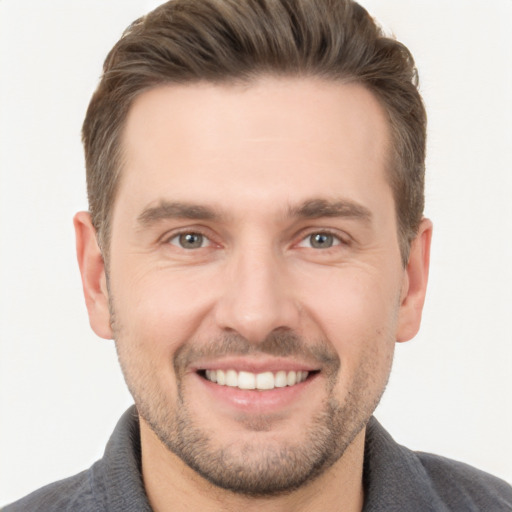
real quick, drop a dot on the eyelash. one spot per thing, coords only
(196, 232)
(338, 240)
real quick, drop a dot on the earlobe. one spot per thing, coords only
(415, 283)
(92, 269)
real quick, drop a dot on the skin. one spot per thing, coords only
(257, 170)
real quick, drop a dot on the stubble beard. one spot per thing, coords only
(260, 468)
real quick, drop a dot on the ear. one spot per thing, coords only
(92, 269)
(415, 283)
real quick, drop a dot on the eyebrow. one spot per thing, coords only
(310, 209)
(176, 210)
(317, 208)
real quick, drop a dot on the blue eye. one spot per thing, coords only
(320, 240)
(190, 240)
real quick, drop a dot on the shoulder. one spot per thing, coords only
(459, 484)
(113, 483)
(398, 479)
(71, 494)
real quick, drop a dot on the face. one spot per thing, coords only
(256, 289)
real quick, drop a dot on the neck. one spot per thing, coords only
(172, 485)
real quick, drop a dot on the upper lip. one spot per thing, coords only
(255, 364)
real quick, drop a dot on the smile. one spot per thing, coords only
(260, 381)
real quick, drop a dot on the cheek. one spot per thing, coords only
(357, 314)
(352, 306)
(161, 306)
(358, 317)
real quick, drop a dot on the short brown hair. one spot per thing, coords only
(186, 41)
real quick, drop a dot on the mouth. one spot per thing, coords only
(255, 386)
(262, 381)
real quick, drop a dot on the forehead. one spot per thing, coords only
(276, 137)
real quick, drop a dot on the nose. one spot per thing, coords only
(257, 297)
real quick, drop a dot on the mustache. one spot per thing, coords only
(282, 343)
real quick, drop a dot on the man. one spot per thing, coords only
(256, 246)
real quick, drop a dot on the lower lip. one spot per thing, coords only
(258, 401)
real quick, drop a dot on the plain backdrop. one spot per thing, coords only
(61, 391)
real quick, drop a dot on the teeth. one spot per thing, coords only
(211, 375)
(280, 380)
(291, 378)
(265, 380)
(221, 378)
(231, 379)
(262, 381)
(246, 380)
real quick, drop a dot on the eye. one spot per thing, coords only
(190, 240)
(320, 240)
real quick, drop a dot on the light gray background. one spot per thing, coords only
(60, 389)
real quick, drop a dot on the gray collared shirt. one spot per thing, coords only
(395, 479)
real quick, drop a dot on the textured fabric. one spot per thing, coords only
(398, 480)
(395, 478)
(113, 484)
